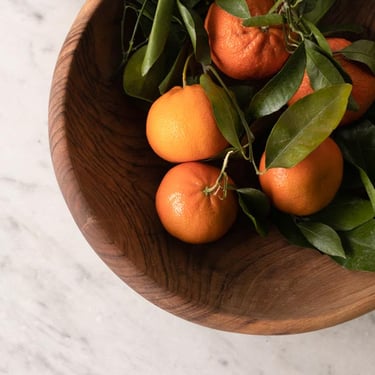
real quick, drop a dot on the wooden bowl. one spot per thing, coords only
(109, 175)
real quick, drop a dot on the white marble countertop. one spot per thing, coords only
(62, 311)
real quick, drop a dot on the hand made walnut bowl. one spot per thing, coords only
(109, 175)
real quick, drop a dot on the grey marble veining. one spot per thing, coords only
(62, 311)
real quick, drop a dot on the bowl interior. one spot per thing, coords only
(109, 176)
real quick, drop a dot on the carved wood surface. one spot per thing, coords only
(108, 176)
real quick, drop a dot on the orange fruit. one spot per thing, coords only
(187, 211)
(245, 52)
(307, 187)
(181, 126)
(363, 81)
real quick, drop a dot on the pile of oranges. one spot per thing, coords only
(196, 201)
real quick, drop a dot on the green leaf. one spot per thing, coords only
(360, 248)
(320, 69)
(306, 124)
(323, 237)
(320, 8)
(197, 33)
(256, 206)
(323, 70)
(237, 8)
(272, 19)
(140, 86)
(226, 116)
(357, 144)
(369, 186)
(281, 87)
(158, 35)
(289, 229)
(345, 213)
(362, 51)
(319, 37)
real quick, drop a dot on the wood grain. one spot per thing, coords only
(108, 176)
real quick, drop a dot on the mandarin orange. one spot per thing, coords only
(181, 126)
(190, 213)
(307, 187)
(245, 52)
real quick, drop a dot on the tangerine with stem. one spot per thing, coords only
(243, 52)
(195, 204)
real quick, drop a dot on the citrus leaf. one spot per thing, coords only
(140, 86)
(255, 206)
(158, 35)
(320, 69)
(319, 9)
(319, 37)
(280, 88)
(362, 51)
(322, 237)
(306, 124)
(226, 116)
(289, 229)
(359, 246)
(360, 153)
(237, 8)
(197, 33)
(345, 213)
(264, 20)
(369, 186)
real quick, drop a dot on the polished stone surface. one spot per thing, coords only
(62, 311)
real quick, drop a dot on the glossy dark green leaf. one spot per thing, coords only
(319, 37)
(289, 229)
(237, 8)
(197, 33)
(159, 34)
(369, 186)
(360, 248)
(272, 19)
(281, 87)
(358, 146)
(305, 124)
(345, 212)
(226, 116)
(141, 86)
(362, 51)
(256, 207)
(322, 237)
(320, 69)
(320, 8)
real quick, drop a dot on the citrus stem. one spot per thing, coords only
(184, 71)
(221, 182)
(135, 29)
(275, 6)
